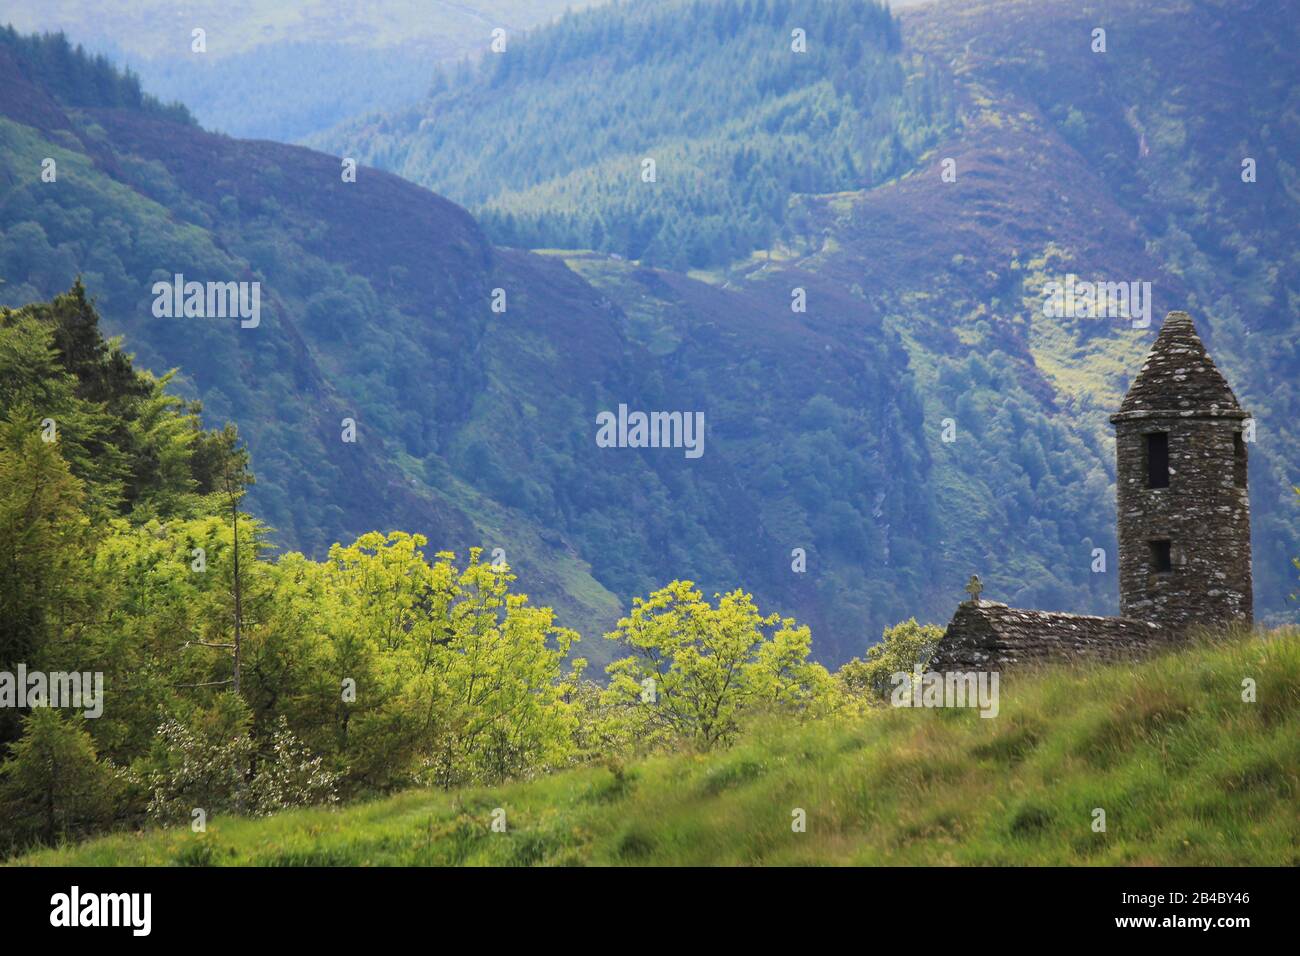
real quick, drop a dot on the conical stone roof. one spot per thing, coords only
(1179, 379)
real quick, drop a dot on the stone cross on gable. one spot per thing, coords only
(974, 588)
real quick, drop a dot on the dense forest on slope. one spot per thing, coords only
(739, 103)
(75, 77)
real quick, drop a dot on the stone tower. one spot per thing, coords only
(1184, 513)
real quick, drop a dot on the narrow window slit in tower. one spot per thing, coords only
(1238, 460)
(1161, 560)
(1157, 459)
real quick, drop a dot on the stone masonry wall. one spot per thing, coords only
(1204, 515)
(988, 636)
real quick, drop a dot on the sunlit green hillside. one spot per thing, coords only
(1186, 772)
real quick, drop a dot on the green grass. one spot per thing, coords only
(1186, 771)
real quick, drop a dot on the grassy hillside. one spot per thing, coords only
(1187, 773)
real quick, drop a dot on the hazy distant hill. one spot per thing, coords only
(275, 70)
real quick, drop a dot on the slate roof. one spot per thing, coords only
(986, 635)
(1179, 378)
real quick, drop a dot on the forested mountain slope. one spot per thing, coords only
(475, 427)
(1119, 160)
(737, 103)
(825, 427)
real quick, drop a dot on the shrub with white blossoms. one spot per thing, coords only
(289, 775)
(233, 773)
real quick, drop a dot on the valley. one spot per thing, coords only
(825, 361)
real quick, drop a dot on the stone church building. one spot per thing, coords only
(1184, 526)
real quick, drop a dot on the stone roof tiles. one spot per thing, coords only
(1179, 378)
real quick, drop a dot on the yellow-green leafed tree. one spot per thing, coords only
(163, 636)
(435, 672)
(698, 669)
(43, 536)
(902, 648)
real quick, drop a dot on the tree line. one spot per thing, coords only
(77, 78)
(238, 683)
